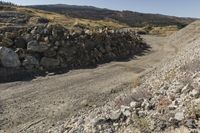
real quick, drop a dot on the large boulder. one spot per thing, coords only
(7, 42)
(20, 42)
(30, 62)
(34, 46)
(49, 62)
(9, 58)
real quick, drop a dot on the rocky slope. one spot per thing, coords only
(42, 45)
(127, 17)
(168, 100)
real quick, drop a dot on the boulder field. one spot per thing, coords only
(51, 46)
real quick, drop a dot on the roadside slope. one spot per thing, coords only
(168, 100)
(36, 105)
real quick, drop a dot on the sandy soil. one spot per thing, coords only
(37, 105)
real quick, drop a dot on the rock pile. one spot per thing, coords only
(13, 17)
(168, 100)
(50, 46)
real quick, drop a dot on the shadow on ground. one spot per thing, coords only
(13, 74)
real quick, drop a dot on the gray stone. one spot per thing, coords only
(172, 107)
(190, 123)
(50, 53)
(9, 58)
(126, 113)
(7, 42)
(49, 62)
(30, 62)
(141, 113)
(21, 53)
(195, 93)
(20, 43)
(185, 89)
(34, 46)
(134, 104)
(179, 116)
(115, 115)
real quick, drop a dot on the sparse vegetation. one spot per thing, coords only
(133, 19)
(7, 3)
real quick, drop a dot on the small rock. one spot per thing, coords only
(195, 93)
(7, 42)
(125, 110)
(179, 116)
(115, 115)
(127, 113)
(20, 43)
(141, 113)
(50, 53)
(162, 125)
(36, 47)
(172, 107)
(21, 53)
(84, 103)
(49, 62)
(134, 104)
(185, 89)
(30, 62)
(190, 123)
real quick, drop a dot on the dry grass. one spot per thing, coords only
(164, 31)
(68, 21)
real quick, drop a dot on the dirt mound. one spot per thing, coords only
(169, 97)
(186, 35)
(41, 44)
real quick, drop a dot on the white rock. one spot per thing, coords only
(179, 116)
(195, 93)
(115, 115)
(185, 89)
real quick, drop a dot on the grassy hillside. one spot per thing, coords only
(133, 19)
(53, 17)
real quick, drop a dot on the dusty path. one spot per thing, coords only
(36, 105)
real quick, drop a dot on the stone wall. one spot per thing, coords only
(49, 46)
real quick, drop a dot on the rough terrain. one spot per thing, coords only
(155, 91)
(167, 100)
(28, 106)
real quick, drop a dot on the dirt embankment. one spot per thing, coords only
(38, 104)
(166, 100)
(50, 47)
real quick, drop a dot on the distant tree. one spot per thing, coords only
(6, 3)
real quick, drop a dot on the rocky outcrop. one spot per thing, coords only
(8, 57)
(49, 46)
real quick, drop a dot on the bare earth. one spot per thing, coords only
(38, 104)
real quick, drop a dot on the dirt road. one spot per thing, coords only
(34, 106)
